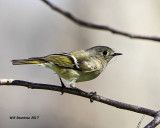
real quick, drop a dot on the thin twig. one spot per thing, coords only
(97, 26)
(139, 123)
(77, 92)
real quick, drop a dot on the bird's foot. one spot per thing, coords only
(62, 89)
(92, 94)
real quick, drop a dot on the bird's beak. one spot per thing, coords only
(116, 54)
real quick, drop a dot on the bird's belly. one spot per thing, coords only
(86, 76)
(65, 73)
(71, 74)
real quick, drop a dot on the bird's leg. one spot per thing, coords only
(92, 94)
(63, 86)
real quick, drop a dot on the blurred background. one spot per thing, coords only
(29, 28)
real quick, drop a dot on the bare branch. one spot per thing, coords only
(154, 122)
(97, 26)
(114, 103)
(73, 91)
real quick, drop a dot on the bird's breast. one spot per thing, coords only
(86, 76)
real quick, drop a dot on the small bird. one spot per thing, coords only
(78, 66)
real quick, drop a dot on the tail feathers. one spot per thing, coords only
(28, 61)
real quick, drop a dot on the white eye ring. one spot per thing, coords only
(104, 53)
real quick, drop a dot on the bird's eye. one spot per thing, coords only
(104, 53)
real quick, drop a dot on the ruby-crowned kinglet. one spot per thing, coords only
(75, 66)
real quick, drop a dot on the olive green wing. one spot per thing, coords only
(79, 60)
(63, 60)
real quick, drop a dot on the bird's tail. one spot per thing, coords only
(28, 61)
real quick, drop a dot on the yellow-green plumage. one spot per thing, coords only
(75, 66)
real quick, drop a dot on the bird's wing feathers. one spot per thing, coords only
(79, 60)
(64, 60)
